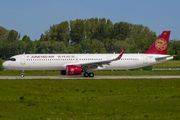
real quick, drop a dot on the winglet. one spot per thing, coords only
(120, 55)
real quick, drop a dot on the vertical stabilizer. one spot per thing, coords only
(160, 45)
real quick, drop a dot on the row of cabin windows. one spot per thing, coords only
(58, 59)
(77, 59)
(129, 59)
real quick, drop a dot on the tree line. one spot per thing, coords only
(84, 36)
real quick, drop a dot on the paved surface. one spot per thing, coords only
(81, 77)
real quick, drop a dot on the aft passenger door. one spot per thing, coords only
(145, 60)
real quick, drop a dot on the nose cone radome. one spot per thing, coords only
(5, 65)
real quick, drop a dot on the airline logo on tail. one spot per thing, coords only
(161, 44)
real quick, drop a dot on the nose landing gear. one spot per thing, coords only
(22, 74)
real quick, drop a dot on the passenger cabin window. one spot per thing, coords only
(12, 59)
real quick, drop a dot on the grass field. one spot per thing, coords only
(46, 99)
(168, 64)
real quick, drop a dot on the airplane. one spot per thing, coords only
(76, 64)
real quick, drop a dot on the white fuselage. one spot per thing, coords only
(59, 61)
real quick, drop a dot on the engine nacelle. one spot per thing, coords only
(73, 70)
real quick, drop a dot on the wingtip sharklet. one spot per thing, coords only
(120, 55)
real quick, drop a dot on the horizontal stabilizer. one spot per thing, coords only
(168, 57)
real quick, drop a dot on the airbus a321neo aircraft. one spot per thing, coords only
(75, 64)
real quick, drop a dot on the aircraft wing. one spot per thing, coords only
(104, 61)
(94, 65)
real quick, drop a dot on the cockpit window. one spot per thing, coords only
(12, 59)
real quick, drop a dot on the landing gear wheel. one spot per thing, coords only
(22, 75)
(85, 74)
(91, 74)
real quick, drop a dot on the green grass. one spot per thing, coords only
(29, 73)
(44, 99)
(135, 73)
(168, 64)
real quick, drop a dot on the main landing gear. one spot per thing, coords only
(88, 74)
(22, 74)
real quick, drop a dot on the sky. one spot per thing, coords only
(34, 17)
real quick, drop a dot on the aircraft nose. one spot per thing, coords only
(5, 65)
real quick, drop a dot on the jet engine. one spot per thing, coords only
(71, 70)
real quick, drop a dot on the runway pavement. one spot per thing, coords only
(81, 77)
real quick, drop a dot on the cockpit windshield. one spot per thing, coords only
(12, 59)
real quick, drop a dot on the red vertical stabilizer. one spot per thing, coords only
(160, 45)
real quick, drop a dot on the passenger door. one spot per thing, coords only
(145, 60)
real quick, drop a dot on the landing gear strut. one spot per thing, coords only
(22, 74)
